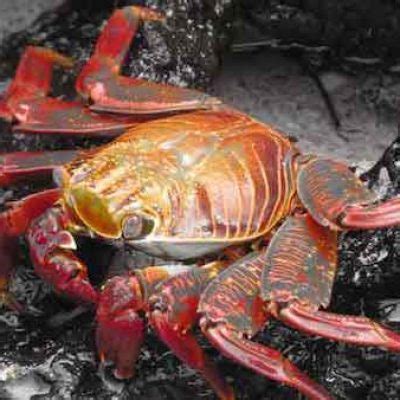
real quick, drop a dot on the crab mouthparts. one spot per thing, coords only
(94, 211)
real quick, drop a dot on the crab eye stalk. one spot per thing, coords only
(136, 226)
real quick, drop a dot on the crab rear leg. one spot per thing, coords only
(32, 78)
(299, 273)
(100, 82)
(336, 198)
(343, 328)
(25, 102)
(233, 311)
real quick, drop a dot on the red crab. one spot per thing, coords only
(204, 184)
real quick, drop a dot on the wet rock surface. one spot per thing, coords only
(38, 361)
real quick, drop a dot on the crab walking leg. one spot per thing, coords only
(174, 312)
(34, 74)
(26, 101)
(373, 216)
(344, 328)
(24, 166)
(233, 310)
(264, 360)
(336, 198)
(298, 279)
(54, 116)
(14, 222)
(100, 79)
(120, 329)
(52, 251)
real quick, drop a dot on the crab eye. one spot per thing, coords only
(136, 226)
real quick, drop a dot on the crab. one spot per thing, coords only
(185, 177)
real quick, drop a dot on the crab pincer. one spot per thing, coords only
(52, 249)
(15, 168)
(13, 223)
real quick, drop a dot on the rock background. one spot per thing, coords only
(276, 81)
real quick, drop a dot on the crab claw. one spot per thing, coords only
(52, 252)
(68, 275)
(120, 331)
(14, 222)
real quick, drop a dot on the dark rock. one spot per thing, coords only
(386, 388)
(358, 29)
(61, 363)
(183, 51)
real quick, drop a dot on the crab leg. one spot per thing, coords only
(100, 82)
(298, 279)
(120, 329)
(23, 166)
(173, 314)
(335, 197)
(34, 74)
(26, 101)
(233, 310)
(344, 328)
(264, 360)
(13, 223)
(16, 220)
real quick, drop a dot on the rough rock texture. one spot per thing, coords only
(18, 15)
(182, 51)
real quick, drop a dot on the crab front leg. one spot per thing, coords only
(14, 168)
(100, 80)
(52, 250)
(174, 312)
(13, 223)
